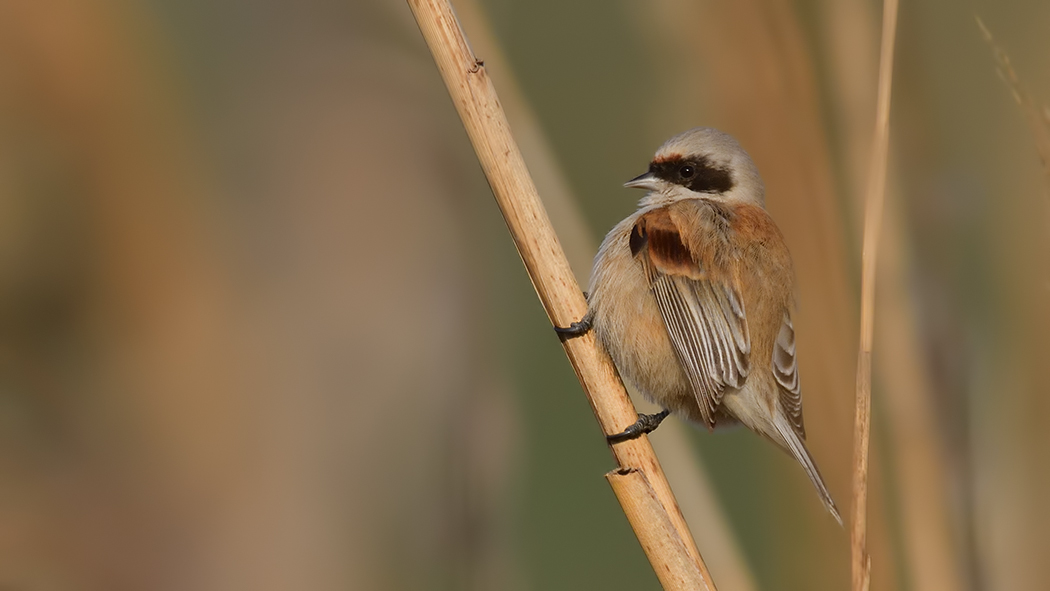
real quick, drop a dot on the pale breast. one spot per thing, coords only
(627, 322)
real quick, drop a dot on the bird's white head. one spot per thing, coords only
(701, 163)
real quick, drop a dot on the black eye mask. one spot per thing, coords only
(695, 173)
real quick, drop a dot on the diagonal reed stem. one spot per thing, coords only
(659, 525)
(874, 200)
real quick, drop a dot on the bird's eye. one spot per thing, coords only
(686, 171)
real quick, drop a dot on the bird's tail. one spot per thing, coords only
(797, 448)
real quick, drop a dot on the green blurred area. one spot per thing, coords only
(261, 325)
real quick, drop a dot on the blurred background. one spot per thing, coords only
(262, 327)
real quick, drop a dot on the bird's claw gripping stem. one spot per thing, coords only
(644, 425)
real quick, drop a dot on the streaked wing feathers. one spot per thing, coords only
(704, 314)
(785, 369)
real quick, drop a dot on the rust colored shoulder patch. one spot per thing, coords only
(656, 237)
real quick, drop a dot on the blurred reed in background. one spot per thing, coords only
(261, 326)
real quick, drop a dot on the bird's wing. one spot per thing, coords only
(785, 370)
(700, 303)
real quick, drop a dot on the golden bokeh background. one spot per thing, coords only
(262, 327)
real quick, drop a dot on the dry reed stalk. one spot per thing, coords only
(657, 536)
(486, 124)
(923, 480)
(861, 563)
(560, 202)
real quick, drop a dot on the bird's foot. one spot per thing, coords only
(644, 425)
(576, 329)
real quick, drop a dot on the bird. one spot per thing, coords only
(692, 296)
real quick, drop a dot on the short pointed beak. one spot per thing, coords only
(644, 181)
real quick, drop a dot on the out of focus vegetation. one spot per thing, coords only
(261, 326)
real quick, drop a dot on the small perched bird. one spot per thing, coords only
(692, 297)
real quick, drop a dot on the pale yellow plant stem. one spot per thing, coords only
(861, 562)
(660, 527)
(655, 532)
